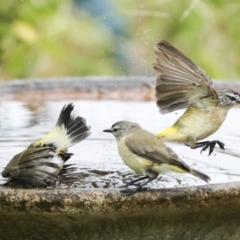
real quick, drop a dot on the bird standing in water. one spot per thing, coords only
(146, 154)
(43, 161)
(182, 84)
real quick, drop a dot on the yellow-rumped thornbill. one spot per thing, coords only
(146, 154)
(182, 84)
(43, 162)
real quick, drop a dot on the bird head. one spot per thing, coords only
(121, 128)
(229, 98)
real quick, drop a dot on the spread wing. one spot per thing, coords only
(152, 148)
(29, 178)
(180, 82)
(29, 158)
(26, 167)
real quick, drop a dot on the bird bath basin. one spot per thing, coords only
(178, 206)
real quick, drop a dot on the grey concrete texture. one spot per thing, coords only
(89, 83)
(203, 212)
(84, 83)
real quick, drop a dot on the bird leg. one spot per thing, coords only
(132, 182)
(140, 187)
(210, 144)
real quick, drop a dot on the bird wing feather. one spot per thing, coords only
(68, 131)
(32, 178)
(28, 158)
(146, 145)
(180, 82)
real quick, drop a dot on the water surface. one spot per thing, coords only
(97, 158)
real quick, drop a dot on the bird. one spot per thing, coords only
(146, 154)
(43, 161)
(180, 84)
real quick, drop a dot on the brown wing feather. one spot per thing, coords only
(152, 148)
(23, 169)
(29, 155)
(180, 82)
(28, 159)
(29, 178)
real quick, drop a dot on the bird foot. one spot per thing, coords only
(209, 144)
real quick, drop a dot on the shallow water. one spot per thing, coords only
(97, 158)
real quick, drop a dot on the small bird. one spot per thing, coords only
(182, 84)
(146, 154)
(43, 161)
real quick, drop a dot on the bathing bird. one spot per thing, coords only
(43, 162)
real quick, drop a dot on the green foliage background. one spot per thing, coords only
(52, 38)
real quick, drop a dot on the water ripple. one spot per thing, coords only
(97, 158)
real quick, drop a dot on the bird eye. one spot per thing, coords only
(114, 129)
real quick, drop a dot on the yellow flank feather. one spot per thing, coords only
(177, 169)
(194, 125)
(171, 134)
(165, 167)
(168, 131)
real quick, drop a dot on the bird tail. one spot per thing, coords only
(203, 176)
(68, 131)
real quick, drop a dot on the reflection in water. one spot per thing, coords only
(97, 157)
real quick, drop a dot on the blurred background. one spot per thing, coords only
(53, 38)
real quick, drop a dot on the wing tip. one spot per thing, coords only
(161, 109)
(162, 44)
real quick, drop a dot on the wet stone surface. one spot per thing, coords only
(97, 159)
(203, 212)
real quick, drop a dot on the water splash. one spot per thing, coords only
(97, 158)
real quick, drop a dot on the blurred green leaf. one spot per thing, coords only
(41, 38)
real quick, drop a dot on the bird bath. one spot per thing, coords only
(178, 206)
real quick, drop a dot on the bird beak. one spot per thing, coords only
(107, 130)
